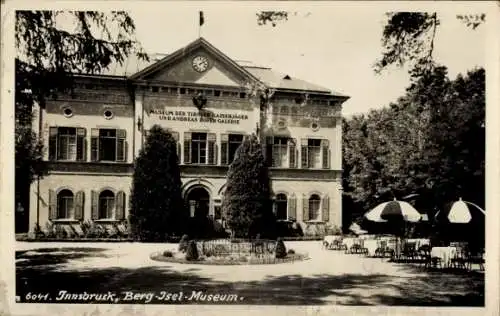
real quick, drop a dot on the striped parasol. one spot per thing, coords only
(394, 210)
(460, 212)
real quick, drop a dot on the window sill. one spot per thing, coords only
(107, 220)
(65, 220)
(315, 221)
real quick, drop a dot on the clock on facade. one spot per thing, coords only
(200, 63)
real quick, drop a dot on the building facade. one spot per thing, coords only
(209, 103)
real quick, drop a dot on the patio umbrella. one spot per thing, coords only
(460, 212)
(394, 210)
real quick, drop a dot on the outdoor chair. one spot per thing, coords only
(475, 257)
(424, 254)
(460, 259)
(409, 252)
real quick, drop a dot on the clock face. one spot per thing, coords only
(200, 63)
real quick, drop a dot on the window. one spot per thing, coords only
(108, 145)
(314, 152)
(281, 207)
(216, 93)
(314, 210)
(199, 148)
(67, 143)
(280, 155)
(65, 207)
(229, 146)
(106, 204)
(281, 152)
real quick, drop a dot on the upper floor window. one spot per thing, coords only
(67, 143)
(199, 148)
(108, 145)
(281, 152)
(315, 153)
(229, 145)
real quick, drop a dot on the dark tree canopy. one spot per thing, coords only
(51, 46)
(157, 208)
(247, 198)
(430, 142)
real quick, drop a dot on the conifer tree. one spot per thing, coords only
(157, 208)
(247, 204)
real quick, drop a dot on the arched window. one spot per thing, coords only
(106, 204)
(281, 207)
(314, 202)
(65, 204)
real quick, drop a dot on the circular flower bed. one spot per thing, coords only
(230, 252)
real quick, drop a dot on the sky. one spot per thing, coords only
(334, 46)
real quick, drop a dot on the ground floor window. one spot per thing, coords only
(281, 207)
(314, 210)
(106, 204)
(65, 204)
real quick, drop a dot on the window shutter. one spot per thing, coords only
(79, 207)
(292, 154)
(121, 145)
(120, 206)
(175, 136)
(95, 205)
(326, 153)
(212, 149)
(94, 144)
(326, 209)
(305, 209)
(52, 205)
(304, 153)
(52, 143)
(224, 149)
(269, 150)
(187, 147)
(81, 142)
(292, 207)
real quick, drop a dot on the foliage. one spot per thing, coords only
(272, 17)
(290, 252)
(430, 142)
(168, 253)
(48, 52)
(408, 38)
(157, 208)
(183, 243)
(247, 198)
(280, 251)
(192, 251)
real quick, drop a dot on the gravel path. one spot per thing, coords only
(328, 277)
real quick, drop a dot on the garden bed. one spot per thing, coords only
(229, 260)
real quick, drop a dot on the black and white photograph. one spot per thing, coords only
(306, 154)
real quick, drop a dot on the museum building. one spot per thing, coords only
(208, 102)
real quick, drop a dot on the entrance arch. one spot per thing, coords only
(198, 200)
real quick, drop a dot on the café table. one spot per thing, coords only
(371, 245)
(445, 254)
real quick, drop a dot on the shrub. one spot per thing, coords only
(192, 251)
(183, 243)
(291, 251)
(280, 249)
(168, 253)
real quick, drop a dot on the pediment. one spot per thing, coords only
(179, 67)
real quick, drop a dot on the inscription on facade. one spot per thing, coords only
(202, 116)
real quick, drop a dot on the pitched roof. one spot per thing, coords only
(278, 80)
(133, 67)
